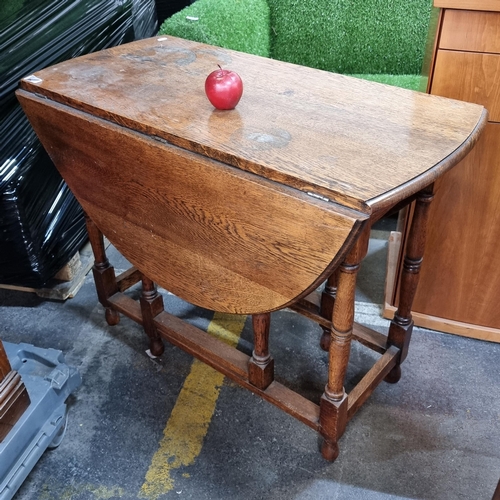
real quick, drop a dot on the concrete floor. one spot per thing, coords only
(171, 429)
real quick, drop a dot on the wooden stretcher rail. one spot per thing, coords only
(370, 381)
(234, 364)
(227, 360)
(309, 307)
(128, 278)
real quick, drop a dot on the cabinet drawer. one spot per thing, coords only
(473, 31)
(469, 76)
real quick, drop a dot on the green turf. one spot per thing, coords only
(381, 40)
(412, 82)
(234, 24)
(351, 36)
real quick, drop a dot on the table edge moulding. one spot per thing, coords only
(247, 211)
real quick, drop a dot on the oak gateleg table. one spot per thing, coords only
(247, 211)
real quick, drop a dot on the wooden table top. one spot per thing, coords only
(354, 142)
(242, 211)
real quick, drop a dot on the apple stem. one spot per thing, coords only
(219, 66)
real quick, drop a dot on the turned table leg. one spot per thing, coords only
(333, 403)
(401, 326)
(104, 273)
(151, 305)
(326, 308)
(261, 364)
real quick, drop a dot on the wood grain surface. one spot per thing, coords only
(14, 400)
(488, 5)
(349, 140)
(240, 211)
(472, 31)
(470, 76)
(221, 238)
(5, 367)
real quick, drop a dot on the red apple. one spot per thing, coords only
(223, 88)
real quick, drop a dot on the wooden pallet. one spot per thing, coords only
(67, 281)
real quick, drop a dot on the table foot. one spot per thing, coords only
(112, 316)
(394, 375)
(151, 305)
(156, 347)
(332, 421)
(326, 339)
(329, 450)
(400, 332)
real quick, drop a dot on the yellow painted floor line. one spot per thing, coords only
(188, 423)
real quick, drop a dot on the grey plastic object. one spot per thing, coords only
(49, 382)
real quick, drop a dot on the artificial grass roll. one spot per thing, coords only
(235, 24)
(351, 36)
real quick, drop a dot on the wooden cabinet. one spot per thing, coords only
(14, 398)
(460, 278)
